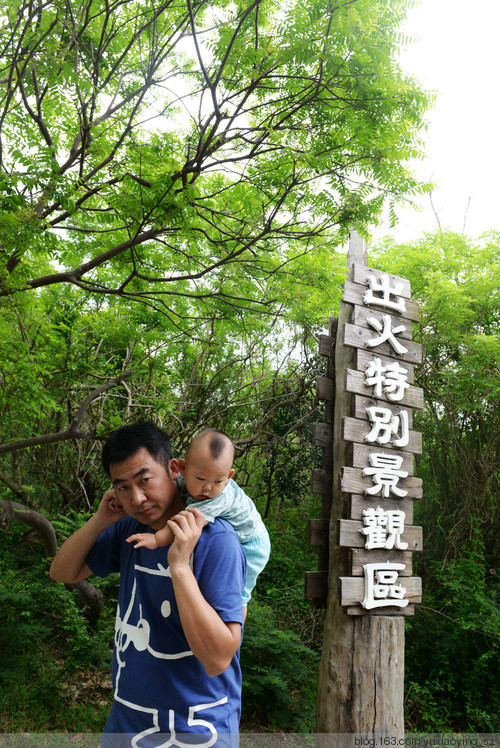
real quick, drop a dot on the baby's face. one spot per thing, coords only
(205, 476)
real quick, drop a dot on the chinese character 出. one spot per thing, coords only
(382, 285)
(385, 425)
(381, 587)
(390, 379)
(386, 472)
(387, 333)
(383, 529)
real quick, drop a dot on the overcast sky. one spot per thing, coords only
(458, 55)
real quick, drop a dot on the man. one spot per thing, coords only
(176, 674)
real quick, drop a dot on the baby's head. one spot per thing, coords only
(207, 467)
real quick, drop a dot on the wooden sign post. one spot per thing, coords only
(368, 583)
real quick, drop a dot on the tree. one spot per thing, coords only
(161, 151)
(453, 643)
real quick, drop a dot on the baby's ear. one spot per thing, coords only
(182, 466)
(231, 473)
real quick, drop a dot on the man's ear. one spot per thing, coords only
(175, 468)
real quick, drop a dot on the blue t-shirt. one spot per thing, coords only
(162, 693)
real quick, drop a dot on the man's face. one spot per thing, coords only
(145, 489)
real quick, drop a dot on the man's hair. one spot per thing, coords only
(127, 440)
(218, 441)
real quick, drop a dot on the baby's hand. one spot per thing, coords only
(146, 539)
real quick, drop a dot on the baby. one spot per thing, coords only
(205, 482)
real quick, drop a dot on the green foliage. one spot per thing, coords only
(457, 688)
(453, 642)
(48, 649)
(279, 675)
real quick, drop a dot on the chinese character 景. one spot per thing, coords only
(385, 472)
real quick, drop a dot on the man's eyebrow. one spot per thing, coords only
(140, 472)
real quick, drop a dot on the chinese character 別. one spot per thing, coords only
(385, 426)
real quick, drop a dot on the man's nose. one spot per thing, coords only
(138, 496)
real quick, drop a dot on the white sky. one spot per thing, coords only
(458, 55)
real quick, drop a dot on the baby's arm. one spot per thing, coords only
(162, 537)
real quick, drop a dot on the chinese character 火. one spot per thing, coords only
(387, 333)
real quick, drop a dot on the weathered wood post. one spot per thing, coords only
(370, 532)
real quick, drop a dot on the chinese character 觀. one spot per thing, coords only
(383, 528)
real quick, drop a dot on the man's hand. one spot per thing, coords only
(110, 510)
(186, 528)
(69, 563)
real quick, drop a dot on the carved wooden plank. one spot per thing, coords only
(361, 315)
(357, 610)
(360, 557)
(364, 357)
(355, 430)
(322, 435)
(326, 345)
(361, 452)
(321, 482)
(350, 535)
(361, 273)
(353, 590)
(352, 481)
(359, 337)
(354, 294)
(316, 585)
(355, 383)
(362, 403)
(325, 388)
(318, 531)
(360, 502)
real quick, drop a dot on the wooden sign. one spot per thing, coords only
(375, 464)
(379, 474)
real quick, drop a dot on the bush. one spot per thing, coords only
(279, 676)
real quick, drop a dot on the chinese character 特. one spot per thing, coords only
(390, 379)
(382, 285)
(385, 425)
(385, 471)
(381, 587)
(387, 333)
(383, 529)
